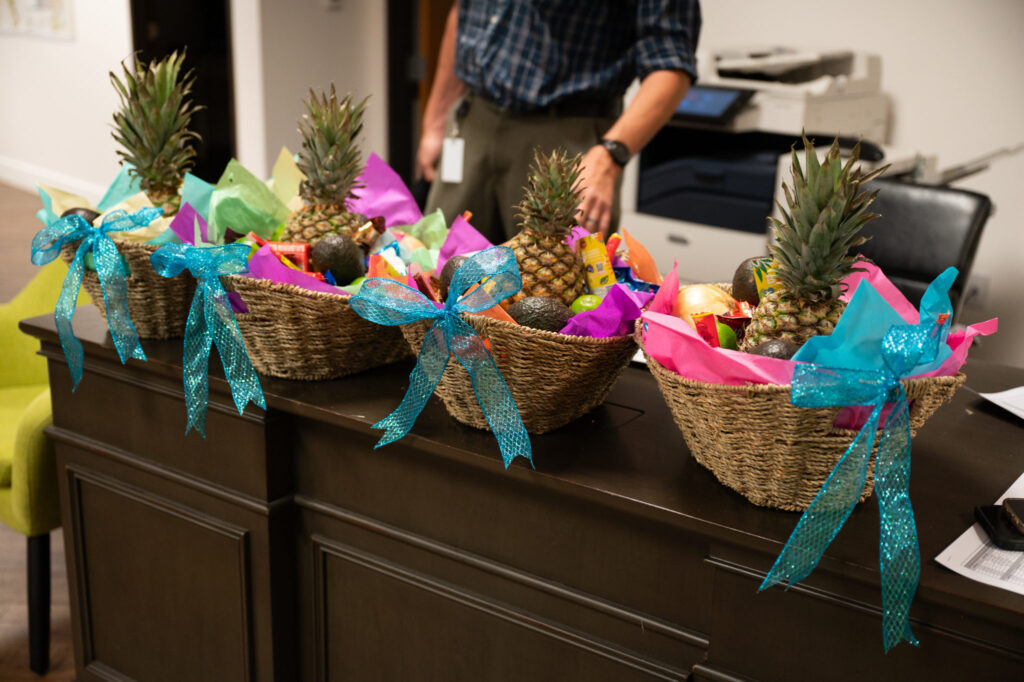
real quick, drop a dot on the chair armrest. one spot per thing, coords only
(34, 495)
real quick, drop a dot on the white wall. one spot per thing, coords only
(306, 45)
(952, 70)
(56, 102)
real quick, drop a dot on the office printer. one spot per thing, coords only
(717, 161)
(784, 90)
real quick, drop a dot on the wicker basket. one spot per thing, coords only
(295, 333)
(158, 305)
(755, 441)
(553, 378)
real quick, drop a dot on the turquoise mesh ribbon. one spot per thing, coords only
(46, 246)
(903, 347)
(387, 302)
(210, 321)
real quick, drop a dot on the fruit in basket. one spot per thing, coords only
(701, 298)
(152, 127)
(547, 213)
(86, 214)
(744, 282)
(448, 273)
(340, 254)
(822, 219)
(585, 302)
(540, 312)
(331, 162)
(776, 348)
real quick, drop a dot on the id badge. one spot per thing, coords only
(452, 151)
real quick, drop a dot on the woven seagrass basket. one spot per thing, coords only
(553, 378)
(755, 441)
(295, 333)
(158, 305)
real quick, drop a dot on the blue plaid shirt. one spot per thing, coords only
(528, 54)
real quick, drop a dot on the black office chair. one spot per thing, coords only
(923, 230)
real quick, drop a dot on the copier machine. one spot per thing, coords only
(724, 155)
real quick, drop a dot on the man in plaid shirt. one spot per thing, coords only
(516, 74)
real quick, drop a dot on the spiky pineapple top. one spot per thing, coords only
(822, 221)
(551, 198)
(330, 159)
(547, 213)
(152, 126)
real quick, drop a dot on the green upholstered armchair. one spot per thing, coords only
(28, 478)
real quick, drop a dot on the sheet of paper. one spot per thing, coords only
(973, 555)
(1012, 400)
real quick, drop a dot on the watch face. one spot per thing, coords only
(618, 151)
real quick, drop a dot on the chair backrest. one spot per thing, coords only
(20, 364)
(923, 230)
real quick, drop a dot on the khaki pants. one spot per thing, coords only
(498, 151)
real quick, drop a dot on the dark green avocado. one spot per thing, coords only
(448, 273)
(776, 348)
(744, 287)
(540, 312)
(341, 255)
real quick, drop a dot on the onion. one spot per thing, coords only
(701, 298)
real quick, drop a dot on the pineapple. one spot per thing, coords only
(547, 213)
(152, 127)
(826, 211)
(331, 163)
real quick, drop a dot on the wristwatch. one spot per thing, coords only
(619, 152)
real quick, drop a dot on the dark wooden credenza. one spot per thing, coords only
(283, 547)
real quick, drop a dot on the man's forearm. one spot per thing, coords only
(446, 87)
(655, 102)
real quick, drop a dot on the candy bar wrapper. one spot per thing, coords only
(242, 202)
(615, 316)
(383, 193)
(265, 265)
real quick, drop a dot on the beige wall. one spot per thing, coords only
(56, 101)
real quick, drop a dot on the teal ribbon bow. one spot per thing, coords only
(210, 321)
(46, 246)
(387, 302)
(903, 348)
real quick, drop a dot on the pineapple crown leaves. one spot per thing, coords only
(152, 123)
(826, 211)
(330, 159)
(551, 198)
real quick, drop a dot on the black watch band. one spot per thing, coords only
(618, 151)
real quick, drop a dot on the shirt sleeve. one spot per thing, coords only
(667, 32)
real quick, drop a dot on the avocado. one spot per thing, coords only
(87, 214)
(340, 254)
(540, 312)
(448, 273)
(744, 286)
(776, 348)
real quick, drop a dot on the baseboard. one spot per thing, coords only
(26, 176)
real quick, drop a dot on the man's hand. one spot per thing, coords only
(597, 180)
(428, 154)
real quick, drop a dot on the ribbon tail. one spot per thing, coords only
(899, 553)
(828, 511)
(495, 399)
(65, 309)
(115, 300)
(245, 385)
(430, 365)
(197, 364)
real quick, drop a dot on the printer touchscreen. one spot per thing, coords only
(712, 104)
